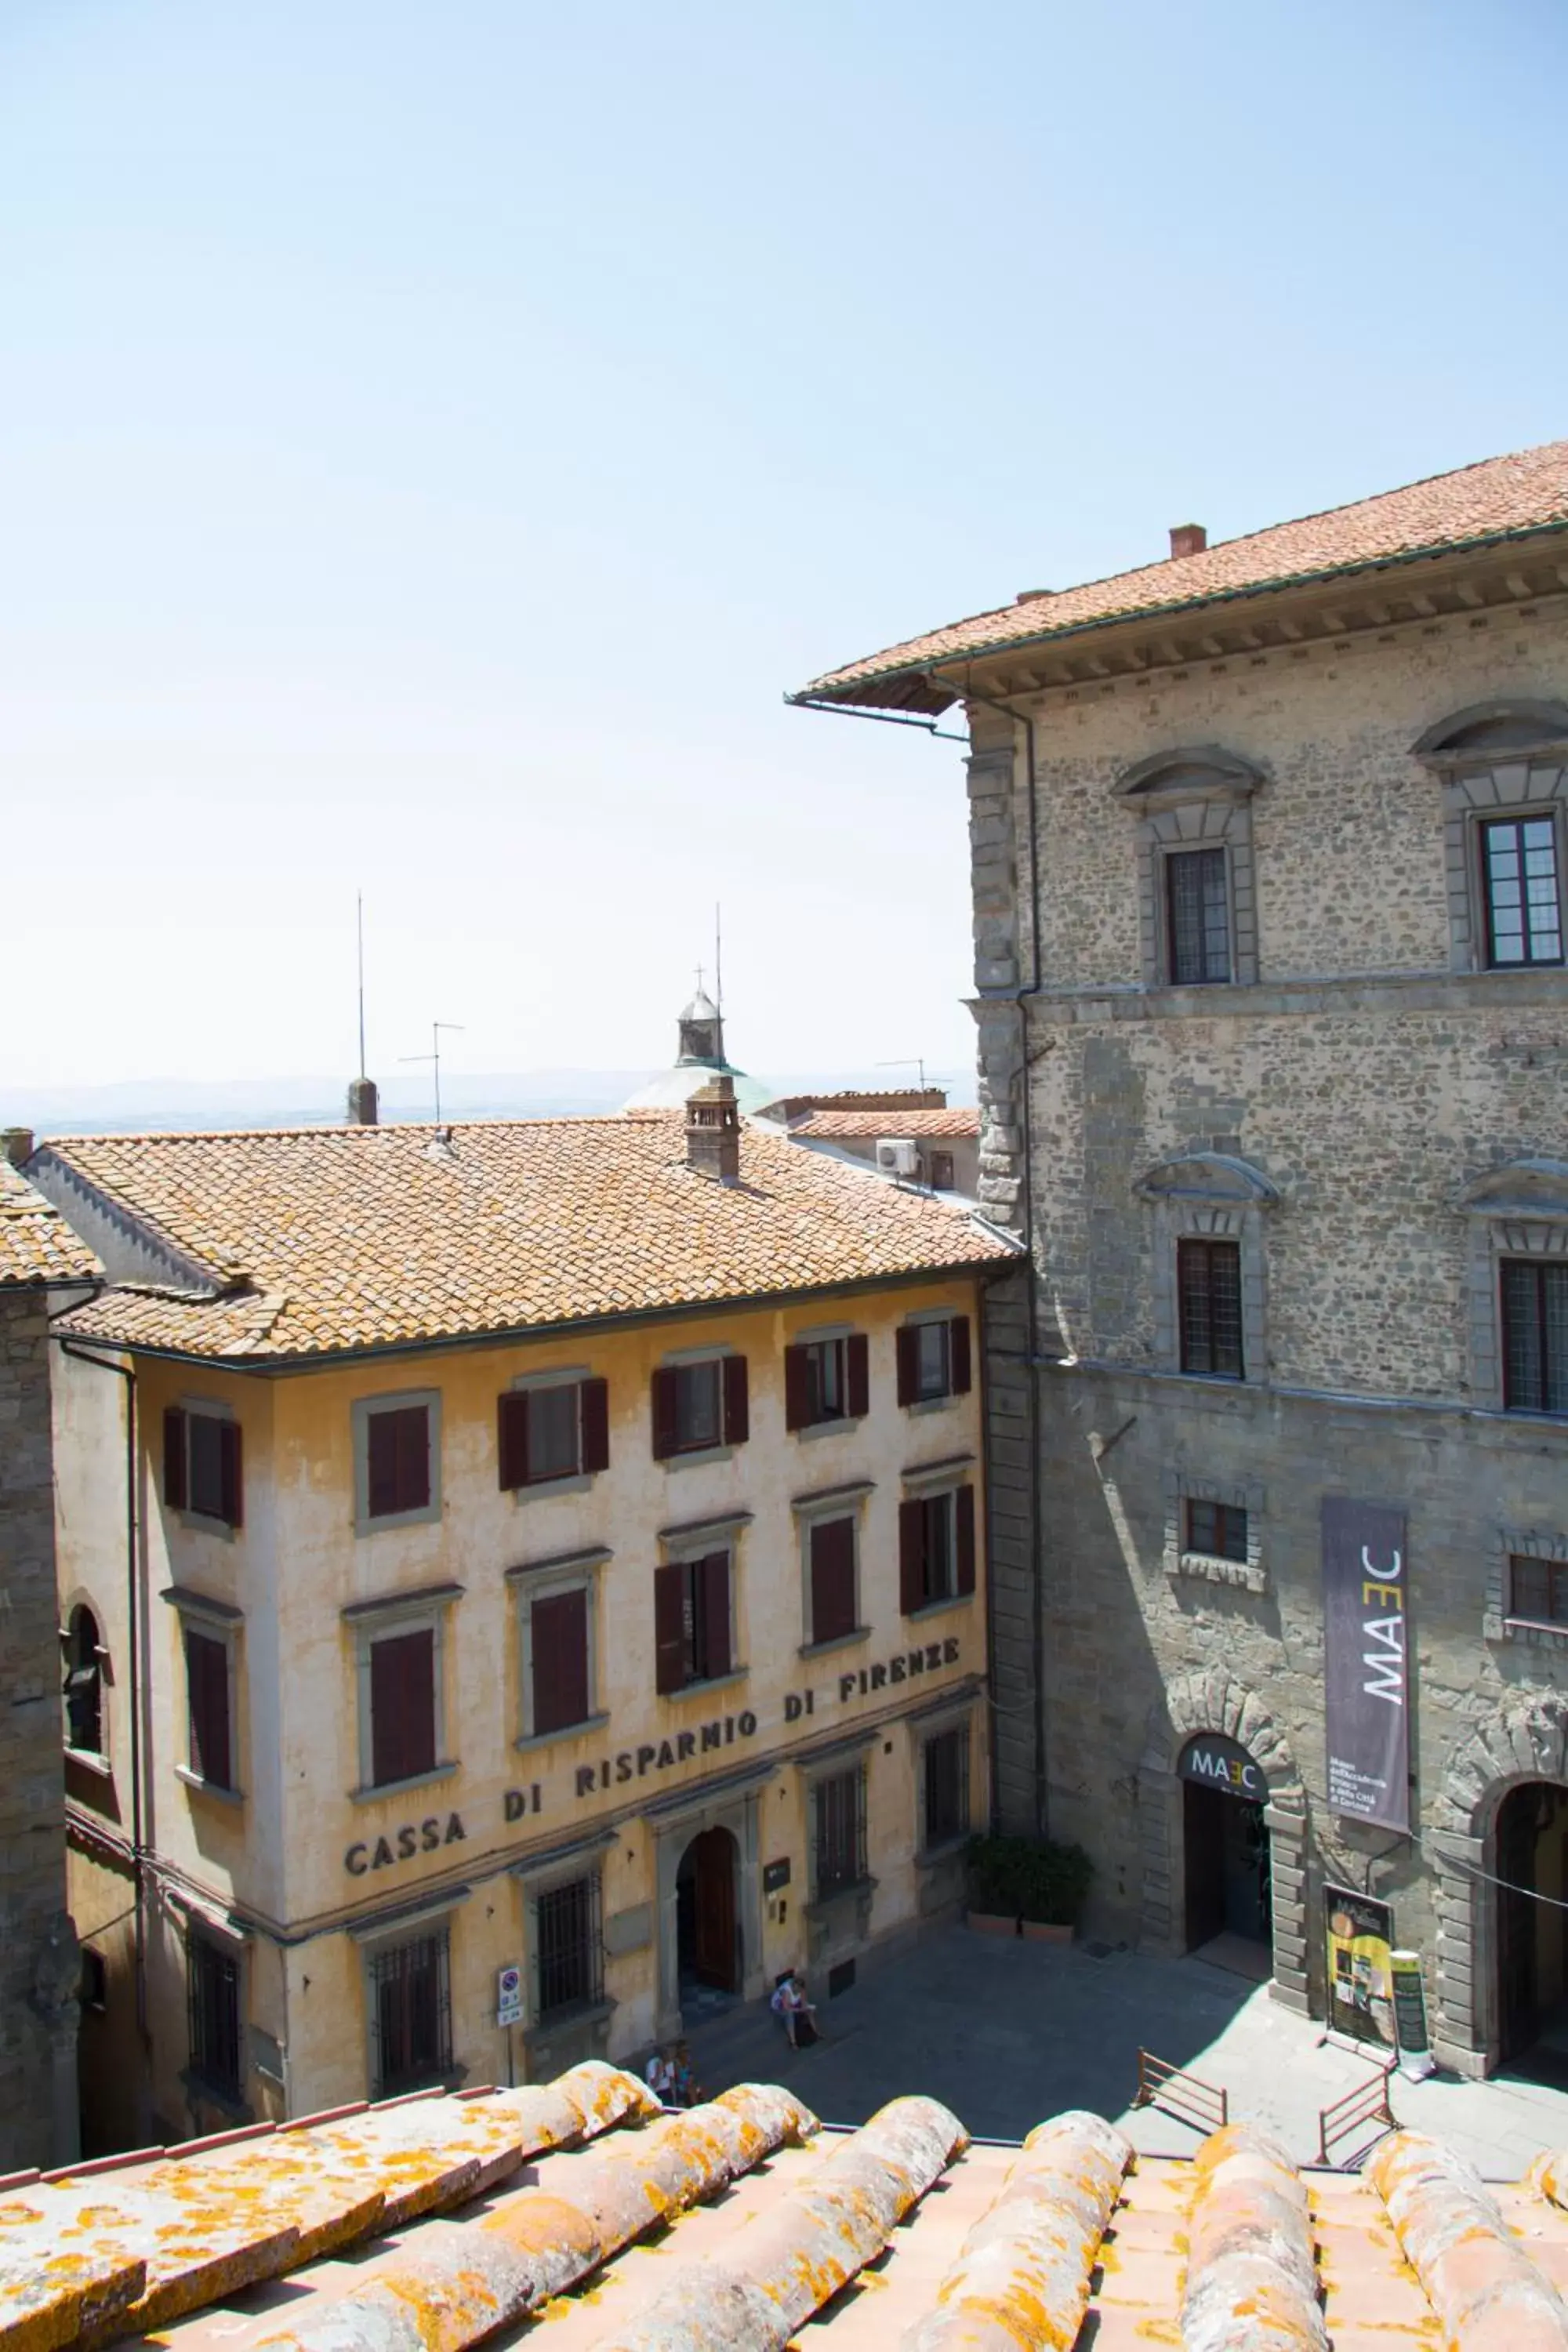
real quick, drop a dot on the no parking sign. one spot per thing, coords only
(508, 1997)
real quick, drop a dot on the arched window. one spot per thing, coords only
(1504, 766)
(1197, 914)
(84, 1683)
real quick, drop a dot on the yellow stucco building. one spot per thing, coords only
(552, 1547)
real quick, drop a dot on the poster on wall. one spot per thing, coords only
(1361, 1977)
(1366, 1672)
(1416, 2058)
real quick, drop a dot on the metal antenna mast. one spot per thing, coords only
(907, 1062)
(358, 924)
(434, 1057)
(717, 957)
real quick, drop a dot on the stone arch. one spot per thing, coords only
(1485, 731)
(1525, 1740)
(1213, 1700)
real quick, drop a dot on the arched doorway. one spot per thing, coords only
(707, 1921)
(1531, 1942)
(1229, 1888)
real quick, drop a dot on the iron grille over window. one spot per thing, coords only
(570, 1947)
(1216, 1529)
(947, 1785)
(212, 1985)
(1524, 906)
(1209, 1281)
(1538, 1590)
(411, 2014)
(838, 1818)
(1199, 916)
(1534, 1336)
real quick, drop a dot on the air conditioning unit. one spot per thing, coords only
(897, 1155)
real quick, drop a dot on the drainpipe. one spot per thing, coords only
(1020, 1000)
(127, 1372)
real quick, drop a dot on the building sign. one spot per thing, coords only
(1366, 1679)
(658, 1755)
(1361, 1984)
(1215, 1762)
(402, 1845)
(509, 1996)
(776, 1876)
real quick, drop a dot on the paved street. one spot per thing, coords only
(1009, 2032)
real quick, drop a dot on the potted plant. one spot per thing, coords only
(993, 1907)
(1053, 1881)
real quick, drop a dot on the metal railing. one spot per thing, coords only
(1186, 2096)
(1367, 2103)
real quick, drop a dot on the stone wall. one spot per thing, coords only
(38, 1961)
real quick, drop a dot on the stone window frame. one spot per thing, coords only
(401, 1613)
(195, 1406)
(1184, 1487)
(394, 1400)
(1526, 772)
(1521, 1543)
(96, 1759)
(1195, 797)
(1209, 1196)
(201, 1922)
(569, 1482)
(930, 1723)
(846, 1502)
(577, 1571)
(410, 1923)
(220, 1621)
(538, 1874)
(1519, 1210)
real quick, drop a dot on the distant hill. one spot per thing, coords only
(159, 1104)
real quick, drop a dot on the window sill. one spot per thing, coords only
(228, 2100)
(815, 1429)
(91, 1761)
(1533, 1412)
(853, 1890)
(694, 1457)
(452, 2079)
(576, 2012)
(713, 1683)
(429, 1516)
(201, 1523)
(933, 1404)
(377, 1791)
(946, 1850)
(201, 1788)
(938, 1608)
(568, 1731)
(1535, 1634)
(540, 1490)
(838, 1642)
(1212, 1568)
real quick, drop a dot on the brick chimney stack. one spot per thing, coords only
(17, 1143)
(363, 1107)
(713, 1130)
(1188, 539)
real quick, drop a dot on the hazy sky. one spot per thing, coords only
(433, 436)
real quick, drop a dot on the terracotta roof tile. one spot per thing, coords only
(829, 1124)
(1526, 491)
(36, 1243)
(331, 1238)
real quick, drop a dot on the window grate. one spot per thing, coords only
(1524, 906)
(568, 1946)
(1199, 916)
(411, 2015)
(947, 1785)
(212, 1985)
(838, 1814)
(1534, 1336)
(1208, 1283)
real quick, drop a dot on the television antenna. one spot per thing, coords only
(359, 927)
(907, 1062)
(434, 1057)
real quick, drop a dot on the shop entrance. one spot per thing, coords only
(706, 1924)
(1532, 1933)
(1228, 1894)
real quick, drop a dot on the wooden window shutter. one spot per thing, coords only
(559, 1632)
(231, 1473)
(958, 1357)
(669, 1628)
(402, 1706)
(718, 1646)
(912, 1554)
(857, 1374)
(412, 1457)
(797, 1388)
(832, 1579)
(595, 1426)
(909, 1364)
(381, 1464)
(665, 1431)
(737, 1404)
(963, 1514)
(175, 1489)
(512, 1436)
(206, 1688)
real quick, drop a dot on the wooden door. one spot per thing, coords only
(714, 1956)
(1204, 1811)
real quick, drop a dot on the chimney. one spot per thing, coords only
(17, 1143)
(363, 1105)
(1188, 539)
(1033, 595)
(713, 1130)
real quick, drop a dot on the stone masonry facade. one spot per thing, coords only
(38, 1957)
(1353, 1108)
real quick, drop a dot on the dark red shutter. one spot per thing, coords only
(207, 1687)
(832, 1579)
(797, 1388)
(595, 1426)
(175, 1458)
(857, 1373)
(402, 1706)
(909, 1364)
(958, 1354)
(511, 1439)
(714, 1582)
(737, 1405)
(231, 1474)
(912, 1554)
(413, 1458)
(668, 1627)
(963, 1512)
(558, 1629)
(665, 1432)
(381, 1464)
